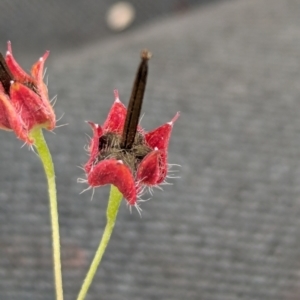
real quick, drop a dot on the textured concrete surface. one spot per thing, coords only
(229, 228)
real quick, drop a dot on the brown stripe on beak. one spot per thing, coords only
(5, 74)
(135, 102)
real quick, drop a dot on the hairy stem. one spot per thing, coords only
(45, 156)
(114, 202)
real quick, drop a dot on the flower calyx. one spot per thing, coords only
(124, 154)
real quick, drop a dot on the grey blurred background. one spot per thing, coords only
(62, 26)
(229, 228)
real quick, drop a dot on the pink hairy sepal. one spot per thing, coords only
(111, 171)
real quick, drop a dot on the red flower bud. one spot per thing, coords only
(24, 101)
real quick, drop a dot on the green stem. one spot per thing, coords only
(45, 156)
(114, 202)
